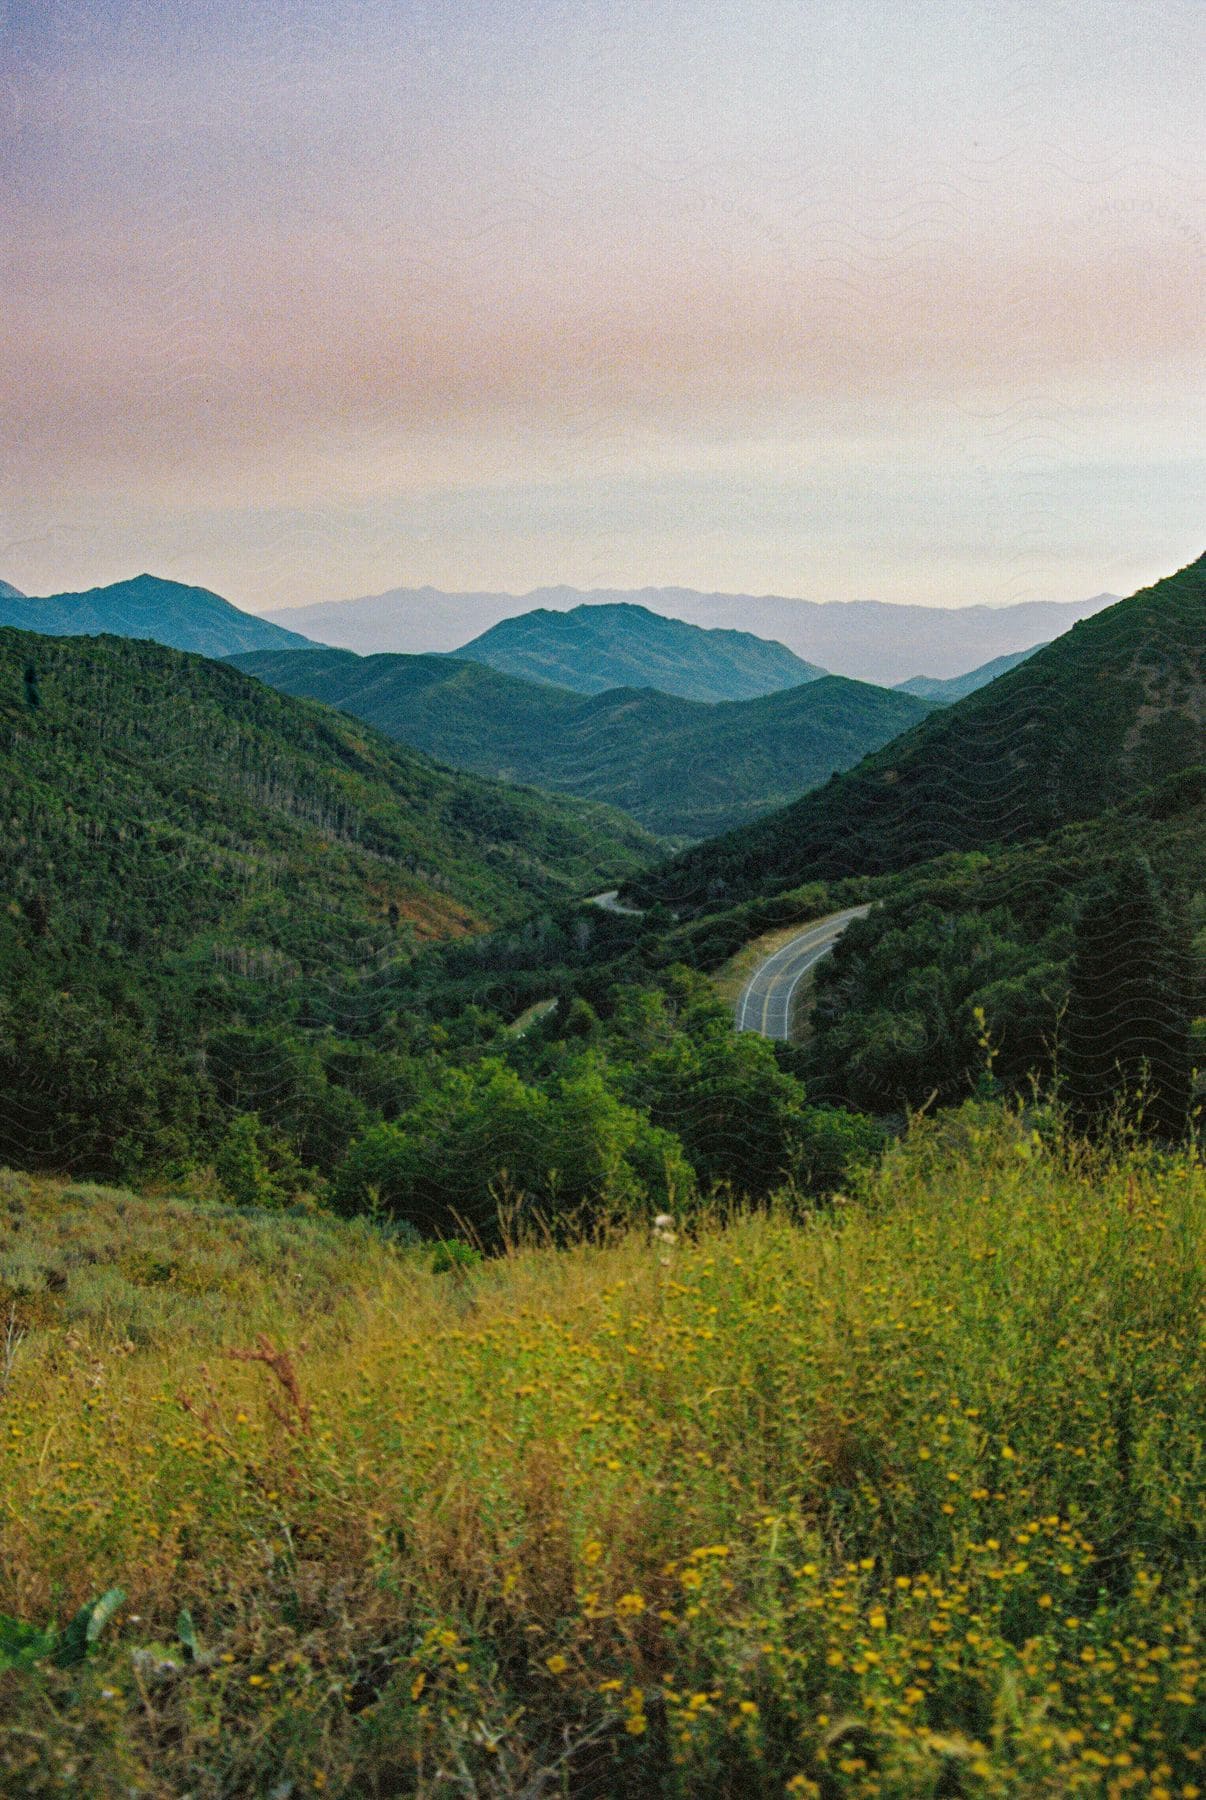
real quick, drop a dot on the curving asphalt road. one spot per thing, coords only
(765, 1002)
(611, 902)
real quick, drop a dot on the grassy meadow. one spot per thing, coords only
(897, 1498)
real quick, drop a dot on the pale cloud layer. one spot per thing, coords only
(832, 299)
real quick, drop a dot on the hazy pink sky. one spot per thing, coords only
(838, 299)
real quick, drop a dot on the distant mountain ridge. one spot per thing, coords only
(957, 687)
(151, 608)
(683, 768)
(869, 640)
(593, 648)
(9, 592)
(1116, 705)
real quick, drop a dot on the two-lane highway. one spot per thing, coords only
(766, 999)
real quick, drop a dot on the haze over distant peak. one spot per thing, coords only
(871, 640)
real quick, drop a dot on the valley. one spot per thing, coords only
(358, 1107)
(683, 768)
(602, 902)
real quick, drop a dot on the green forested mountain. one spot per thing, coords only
(167, 612)
(957, 687)
(182, 847)
(592, 648)
(869, 640)
(684, 768)
(137, 776)
(1116, 705)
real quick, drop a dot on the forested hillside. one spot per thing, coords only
(1115, 706)
(180, 844)
(970, 962)
(597, 647)
(166, 612)
(684, 768)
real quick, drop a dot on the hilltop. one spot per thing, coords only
(593, 648)
(683, 768)
(1115, 706)
(166, 612)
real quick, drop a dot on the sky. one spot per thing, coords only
(833, 298)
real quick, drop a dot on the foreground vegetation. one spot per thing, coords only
(894, 1499)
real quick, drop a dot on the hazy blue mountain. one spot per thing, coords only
(166, 612)
(9, 592)
(412, 621)
(594, 648)
(684, 768)
(931, 687)
(866, 639)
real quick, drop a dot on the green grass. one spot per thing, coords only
(898, 1499)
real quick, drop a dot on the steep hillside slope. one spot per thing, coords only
(594, 648)
(958, 687)
(167, 612)
(682, 767)
(164, 797)
(211, 895)
(1114, 706)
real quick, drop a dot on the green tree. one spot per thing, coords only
(254, 1170)
(483, 1135)
(1127, 1026)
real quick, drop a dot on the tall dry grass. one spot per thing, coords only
(897, 1499)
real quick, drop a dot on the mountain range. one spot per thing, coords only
(869, 640)
(1116, 705)
(148, 607)
(684, 768)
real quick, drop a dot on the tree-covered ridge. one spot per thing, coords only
(167, 612)
(177, 794)
(1115, 705)
(592, 648)
(684, 768)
